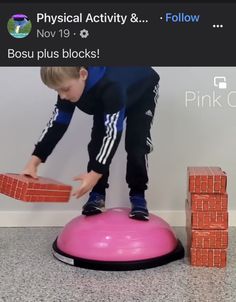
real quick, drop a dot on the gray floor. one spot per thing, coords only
(29, 272)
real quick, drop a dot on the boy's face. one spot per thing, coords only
(72, 88)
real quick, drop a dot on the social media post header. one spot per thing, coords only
(170, 34)
(120, 1)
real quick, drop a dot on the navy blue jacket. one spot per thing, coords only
(108, 91)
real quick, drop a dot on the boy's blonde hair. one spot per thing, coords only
(55, 76)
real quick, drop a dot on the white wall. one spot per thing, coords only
(183, 136)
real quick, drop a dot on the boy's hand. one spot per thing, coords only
(31, 167)
(88, 181)
(31, 171)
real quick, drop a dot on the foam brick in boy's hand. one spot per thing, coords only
(26, 188)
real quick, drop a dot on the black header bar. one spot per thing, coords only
(163, 34)
(118, 1)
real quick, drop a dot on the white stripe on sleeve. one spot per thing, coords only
(50, 123)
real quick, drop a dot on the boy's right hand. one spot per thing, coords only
(30, 171)
(31, 167)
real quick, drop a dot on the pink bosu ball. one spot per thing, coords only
(113, 241)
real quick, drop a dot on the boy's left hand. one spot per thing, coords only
(88, 181)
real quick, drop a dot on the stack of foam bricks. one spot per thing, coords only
(34, 190)
(207, 216)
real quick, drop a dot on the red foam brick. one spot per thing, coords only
(208, 202)
(208, 257)
(209, 220)
(209, 239)
(34, 190)
(206, 180)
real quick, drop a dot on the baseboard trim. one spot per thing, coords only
(60, 218)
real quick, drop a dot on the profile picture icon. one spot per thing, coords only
(19, 26)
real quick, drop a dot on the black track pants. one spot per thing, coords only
(138, 143)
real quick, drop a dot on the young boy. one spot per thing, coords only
(110, 94)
